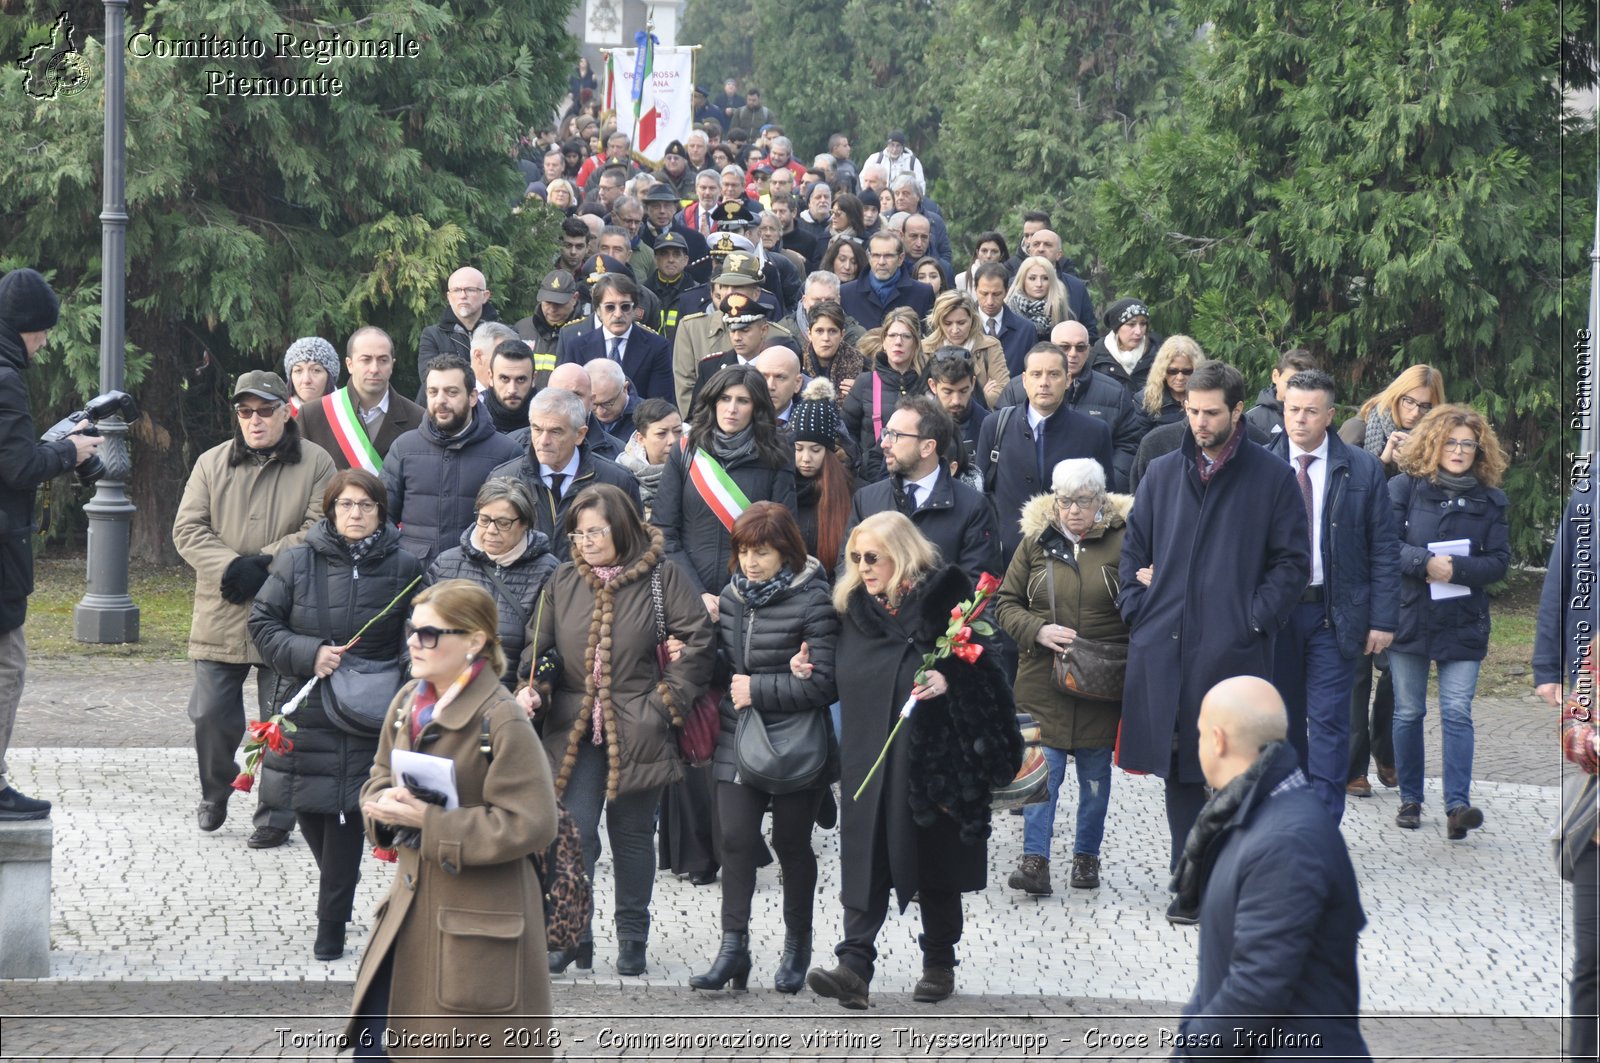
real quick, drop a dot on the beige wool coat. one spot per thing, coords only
(241, 511)
(464, 921)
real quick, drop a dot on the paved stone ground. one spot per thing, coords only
(1462, 957)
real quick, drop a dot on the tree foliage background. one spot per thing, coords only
(255, 220)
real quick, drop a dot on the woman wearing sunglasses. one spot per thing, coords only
(317, 596)
(922, 826)
(1454, 543)
(458, 953)
(1168, 382)
(607, 723)
(502, 552)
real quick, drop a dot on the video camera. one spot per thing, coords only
(111, 404)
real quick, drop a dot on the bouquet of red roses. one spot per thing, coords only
(955, 642)
(260, 736)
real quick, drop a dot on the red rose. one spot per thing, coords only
(957, 613)
(964, 635)
(256, 730)
(988, 583)
(969, 652)
(388, 856)
(244, 782)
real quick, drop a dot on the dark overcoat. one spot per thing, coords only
(1280, 913)
(1231, 559)
(1450, 629)
(694, 535)
(877, 659)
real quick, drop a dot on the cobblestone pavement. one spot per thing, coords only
(206, 941)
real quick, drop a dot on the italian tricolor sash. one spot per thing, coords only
(349, 432)
(716, 487)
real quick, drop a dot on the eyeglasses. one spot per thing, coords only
(890, 436)
(1412, 404)
(883, 256)
(617, 308)
(502, 523)
(354, 505)
(903, 337)
(263, 412)
(428, 637)
(465, 291)
(869, 557)
(1076, 347)
(1083, 502)
(1180, 372)
(579, 537)
(1466, 446)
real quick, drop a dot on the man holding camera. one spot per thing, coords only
(28, 311)
(246, 500)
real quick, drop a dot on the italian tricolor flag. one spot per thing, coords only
(349, 432)
(716, 488)
(648, 117)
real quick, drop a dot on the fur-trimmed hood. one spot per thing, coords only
(1038, 516)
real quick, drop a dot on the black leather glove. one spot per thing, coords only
(243, 578)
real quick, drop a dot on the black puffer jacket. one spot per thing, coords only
(524, 578)
(760, 643)
(433, 481)
(695, 538)
(327, 767)
(859, 408)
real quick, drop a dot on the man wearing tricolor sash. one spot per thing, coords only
(359, 422)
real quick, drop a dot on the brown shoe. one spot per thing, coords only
(1359, 787)
(1388, 776)
(1032, 876)
(1085, 871)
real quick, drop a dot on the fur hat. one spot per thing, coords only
(311, 349)
(815, 418)
(27, 302)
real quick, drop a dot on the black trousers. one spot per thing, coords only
(1581, 1035)
(337, 848)
(740, 809)
(1184, 802)
(216, 707)
(373, 1014)
(1371, 735)
(941, 923)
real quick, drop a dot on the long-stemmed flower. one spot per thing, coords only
(955, 642)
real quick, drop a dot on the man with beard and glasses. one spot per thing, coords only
(1216, 555)
(433, 474)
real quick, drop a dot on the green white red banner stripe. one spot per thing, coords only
(349, 432)
(717, 488)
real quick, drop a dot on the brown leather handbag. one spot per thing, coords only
(1092, 669)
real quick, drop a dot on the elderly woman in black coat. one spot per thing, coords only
(317, 596)
(507, 556)
(922, 825)
(775, 652)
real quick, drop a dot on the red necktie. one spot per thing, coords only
(1304, 480)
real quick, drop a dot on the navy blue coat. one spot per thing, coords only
(550, 513)
(1360, 547)
(1451, 629)
(1082, 306)
(861, 302)
(1017, 336)
(1280, 913)
(646, 359)
(1018, 478)
(1569, 611)
(1097, 395)
(1232, 559)
(955, 518)
(433, 481)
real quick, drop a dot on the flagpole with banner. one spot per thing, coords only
(650, 91)
(644, 67)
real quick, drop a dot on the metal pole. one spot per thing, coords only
(106, 613)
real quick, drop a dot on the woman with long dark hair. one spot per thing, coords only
(824, 488)
(846, 258)
(828, 350)
(1448, 492)
(845, 218)
(775, 648)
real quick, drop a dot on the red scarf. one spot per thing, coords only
(1229, 448)
(428, 703)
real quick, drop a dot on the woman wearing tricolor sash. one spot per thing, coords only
(731, 457)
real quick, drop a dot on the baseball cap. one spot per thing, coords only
(263, 385)
(558, 287)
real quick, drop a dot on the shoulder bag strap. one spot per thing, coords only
(319, 580)
(993, 470)
(658, 605)
(877, 406)
(493, 571)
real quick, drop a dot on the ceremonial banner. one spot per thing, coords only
(662, 98)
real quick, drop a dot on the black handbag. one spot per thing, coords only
(782, 752)
(1091, 669)
(356, 696)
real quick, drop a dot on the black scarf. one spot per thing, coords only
(1456, 486)
(1217, 814)
(755, 594)
(361, 547)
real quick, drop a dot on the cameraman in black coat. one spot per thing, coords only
(29, 309)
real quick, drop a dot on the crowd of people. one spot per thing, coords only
(758, 432)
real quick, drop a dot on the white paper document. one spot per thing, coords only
(436, 773)
(1450, 548)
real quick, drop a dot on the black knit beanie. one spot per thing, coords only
(27, 302)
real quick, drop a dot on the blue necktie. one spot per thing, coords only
(616, 348)
(1038, 448)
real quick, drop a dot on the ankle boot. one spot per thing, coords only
(330, 939)
(732, 964)
(581, 954)
(794, 961)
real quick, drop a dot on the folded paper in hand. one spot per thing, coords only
(436, 773)
(1449, 548)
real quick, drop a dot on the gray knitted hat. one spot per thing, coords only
(312, 349)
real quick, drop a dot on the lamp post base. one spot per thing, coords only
(101, 618)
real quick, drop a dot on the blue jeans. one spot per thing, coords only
(1458, 682)
(1094, 797)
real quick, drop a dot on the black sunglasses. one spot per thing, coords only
(428, 637)
(869, 557)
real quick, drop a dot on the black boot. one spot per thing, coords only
(330, 939)
(630, 957)
(581, 954)
(794, 961)
(732, 964)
